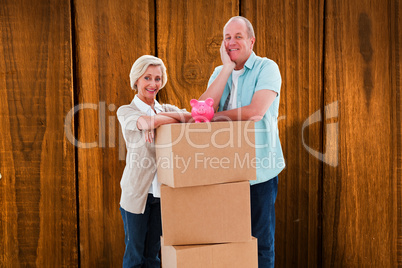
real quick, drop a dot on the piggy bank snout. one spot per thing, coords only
(201, 110)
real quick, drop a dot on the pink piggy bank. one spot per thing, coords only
(202, 111)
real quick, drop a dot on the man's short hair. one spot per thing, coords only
(249, 26)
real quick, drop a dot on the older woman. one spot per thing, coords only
(140, 198)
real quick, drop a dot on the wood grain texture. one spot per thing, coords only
(110, 36)
(361, 201)
(38, 221)
(188, 41)
(291, 34)
(395, 165)
(340, 59)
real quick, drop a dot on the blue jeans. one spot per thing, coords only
(142, 236)
(263, 197)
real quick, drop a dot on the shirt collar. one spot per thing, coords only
(145, 107)
(250, 61)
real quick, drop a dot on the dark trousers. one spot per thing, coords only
(142, 236)
(263, 196)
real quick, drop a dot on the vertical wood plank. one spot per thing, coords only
(37, 187)
(395, 165)
(110, 36)
(362, 195)
(188, 41)
(290, 33)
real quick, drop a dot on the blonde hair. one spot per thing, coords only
(141, 65)
(249, 26)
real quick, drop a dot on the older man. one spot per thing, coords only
(247, 87)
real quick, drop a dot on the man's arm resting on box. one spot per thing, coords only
(255, 111)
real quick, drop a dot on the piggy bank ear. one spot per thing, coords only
(193, 102)
(209, 102)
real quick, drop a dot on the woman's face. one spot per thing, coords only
(149, 84)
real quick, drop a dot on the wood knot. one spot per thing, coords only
(214, 44)
(193, 74)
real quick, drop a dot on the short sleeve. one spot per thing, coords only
(128, 117)
(269, 77)
(214, 75)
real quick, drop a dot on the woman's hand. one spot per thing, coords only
(149, 135)
(226, 61)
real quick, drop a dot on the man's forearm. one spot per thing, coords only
(255, 111)
(240, 114)
(215, 90)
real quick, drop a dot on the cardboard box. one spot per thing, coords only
(205, 153)
(233, 255)
(218, 213)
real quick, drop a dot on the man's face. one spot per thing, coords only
(237, 42)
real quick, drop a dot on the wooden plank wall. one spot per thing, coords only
(110, 35)
(297, 48)
(189, 45)
(38, 220)
(340, 196)
(361, 201)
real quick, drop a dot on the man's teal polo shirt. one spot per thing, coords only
(260, 74)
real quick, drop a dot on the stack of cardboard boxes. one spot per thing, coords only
(205, 170)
